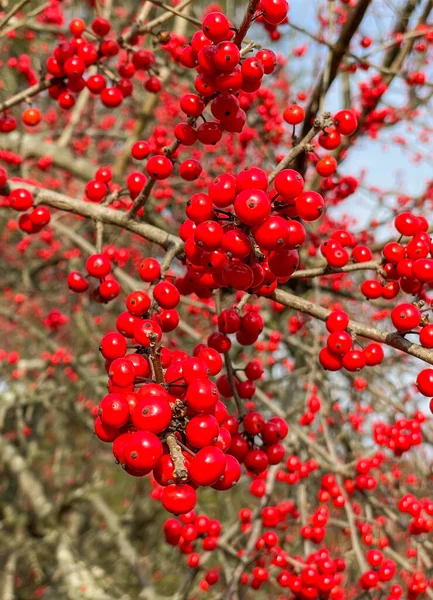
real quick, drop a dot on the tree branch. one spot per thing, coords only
(319, 124)
(100, 213)
(393, 339)
(180, 471)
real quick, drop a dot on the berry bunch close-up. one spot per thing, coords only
(216, 367)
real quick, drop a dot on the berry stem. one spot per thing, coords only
(230, 375)
(180, 471)
(319, 124)
(246, 22)
(155, 359)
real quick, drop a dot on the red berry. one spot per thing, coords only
(354, 360)
(138, 303)
(143, 450)
(345, 122)
(147, 332)
(122, 372)
(96, 83)
(216, 26)
(111, 97)
(149, 270)
(104, 432)
(96, 190)
(166, 294)
(202, 431)
(76, 282)
(405, 317)
(185, 134)
(101, 26)
(231, 475)
(294, 114)
(77, 26)
(152, 413)
(190, 169)
(207, 466)
(113, 345)
(337, 320)
(256, 461)
(373, 354)
(159, 167)
(31, 117)
(310, 206)
(406, 224)
(192, 105)
(326, 166)
(202, 395)
(275, 11)
(20, 199)
(424, 382)
(98, 265)
(330, 361)
(268, 60)
(178, 499)
(114, 410)
(339, 342)
(252, 206)
(289, 184)
(226, 56)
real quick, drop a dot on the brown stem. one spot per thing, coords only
(155, 359)
(100, 213)
(29, 92)
(180, 471)
(246, 22)
(393, 339)
(8, 16)
(231, 376)
(319, 123)
(372, 265)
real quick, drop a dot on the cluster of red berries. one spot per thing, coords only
(72, 58)
(312, 409)
(338, 352)
(401, 436)
(259, 444)
(421, 512)
(96, 189)
(30, 116)
(383, 570)
(345, 124)
(188, 530)
(55, 320)
(22, 200)
(98, 266)
(316, 576)
(296, 470)
(338, 188)
(371, 91)
(315, 531)
(406, 266)
(364, 480)
(163, 413)
(220, 73)
(247, 329)
(330, 490)
(243, 237)
(336, 250)
(417, 585)
(185, 533)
